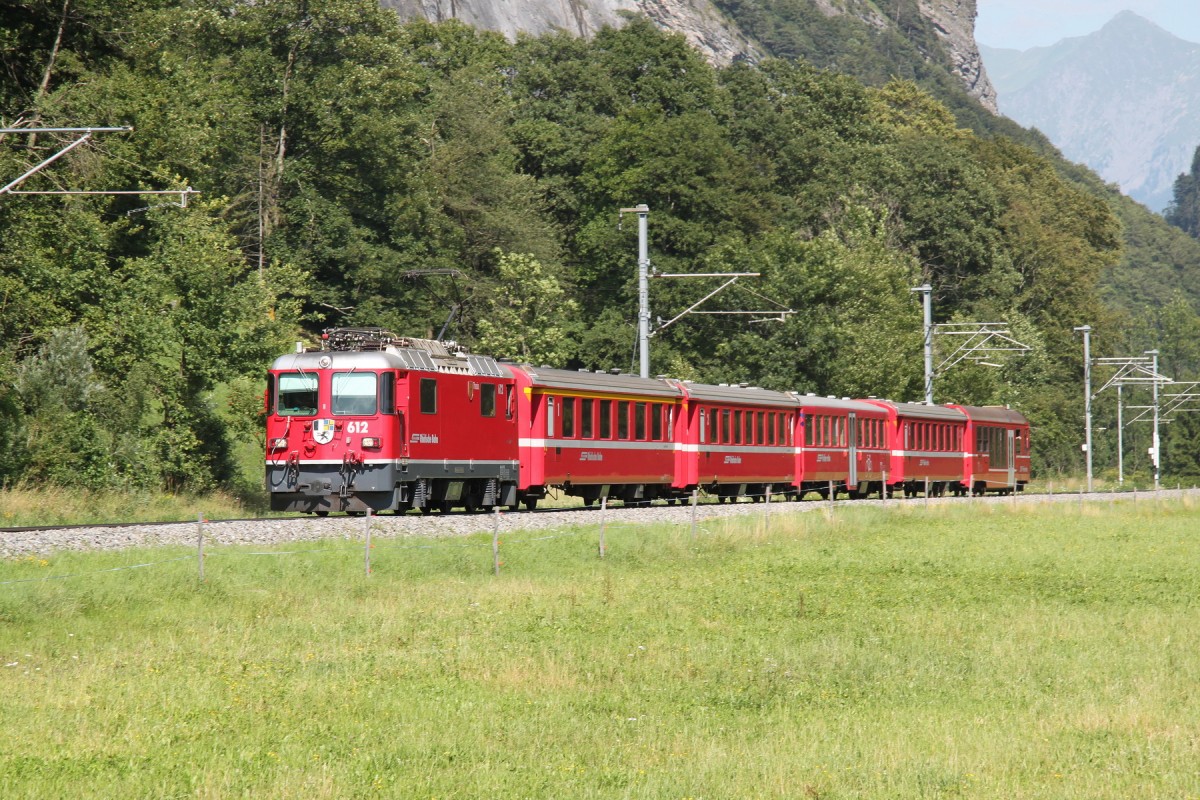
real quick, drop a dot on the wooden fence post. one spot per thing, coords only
(367, 557)
(603, 523)
(695, 495)
(200, 545)
(496, 541)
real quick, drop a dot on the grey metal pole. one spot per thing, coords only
(1155, 443)
(1087, 397)
(643, 212)
(47, 162)
(1120, 439)
(927, 302)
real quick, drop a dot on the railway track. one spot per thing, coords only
(18, 542)
(747, 503)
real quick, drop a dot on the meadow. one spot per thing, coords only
(1016, 651)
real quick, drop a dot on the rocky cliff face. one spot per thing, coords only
(705, 27)
(954, 21)
(697, 20)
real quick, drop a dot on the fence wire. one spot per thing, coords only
(761, 509)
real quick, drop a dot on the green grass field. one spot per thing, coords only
(1020, 652)
(30, 506)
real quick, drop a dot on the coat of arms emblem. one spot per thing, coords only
(323, 431)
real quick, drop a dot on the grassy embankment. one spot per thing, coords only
(1019, 652)
(26, 506)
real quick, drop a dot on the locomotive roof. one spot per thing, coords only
(400, 358)
(834, 403)
(738, 394)
(922, 411)
(996, 414)
(583, 381)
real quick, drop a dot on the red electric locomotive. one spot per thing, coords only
(595, 434)
(926, 444)
(736, 441)
(381, 422)
(996, 453)
(840, 442)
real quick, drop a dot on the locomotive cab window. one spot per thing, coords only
(354, 393)
(387, 393)
(297, 394)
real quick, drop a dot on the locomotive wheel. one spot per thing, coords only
(426, 510)
(444, 507)
(531, 503)
(587, 502)
(322, 513)
(471, 504)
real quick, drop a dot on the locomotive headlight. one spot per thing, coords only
(279, 444)
(372, 441)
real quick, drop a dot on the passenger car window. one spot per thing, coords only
(585, 421)
(568, 417)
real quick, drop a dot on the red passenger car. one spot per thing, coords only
(595, 434)
(926, 444)
(840, 442)
(376, 421)
(996, 454)
(736, 441)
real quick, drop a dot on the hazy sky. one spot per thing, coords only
(1021, 24)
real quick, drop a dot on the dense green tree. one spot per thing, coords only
(1184, 211)
(527, 318)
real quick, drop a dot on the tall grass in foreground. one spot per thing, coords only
(1015, 652)
(28, 506)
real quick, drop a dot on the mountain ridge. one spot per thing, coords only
(1120, 100)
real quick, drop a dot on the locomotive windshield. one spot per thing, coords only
(354, 393)
(297, 394)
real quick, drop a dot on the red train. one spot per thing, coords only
(382, 422)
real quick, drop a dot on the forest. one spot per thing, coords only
(354, 170)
